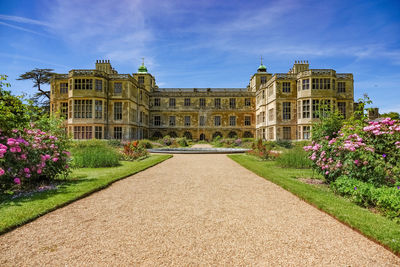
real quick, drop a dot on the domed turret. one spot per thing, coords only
(262, 67)
(142, 69)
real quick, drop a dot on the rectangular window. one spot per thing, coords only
(157, 102)
(172, 102)
(118, 111)
(172, 121)
(98, 109)
(327, 83)
(157, 120)
(82, 109)
(247, 120)
(202, 102)
(271, 133)
(217, 102)
(306, 132)
(306, 109)
(117, 88)
(341, 87)
(232, 121)
(98, 132)
(117, 132)
(263, 79)
(286, 111)
(271, 114)
(315, 108)
(287, 133)
(232, 102)
(141, 95)
(247, 102)
(187, 102)
(202, 121)
(63, 88)
(83, 84)
(99, 86)
(263, 94)
(342, 108)
(64, 110)
(141, 79)
(187, 120)
(82, 132)
(306, 84)
(217, 120)
(286, 87)
(298, 109)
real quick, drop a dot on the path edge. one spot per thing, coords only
(327, 213)
(87, 194)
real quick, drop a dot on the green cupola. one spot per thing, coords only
(142, 69)
(262, 67)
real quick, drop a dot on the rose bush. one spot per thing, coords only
(31, 156)
(368, 153)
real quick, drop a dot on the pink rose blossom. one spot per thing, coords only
(1, 171)
(55, 159)
(17, 180)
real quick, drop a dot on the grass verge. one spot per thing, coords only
(374, 226)
(82, 182)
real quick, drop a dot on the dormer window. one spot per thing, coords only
(263, 79)
(141, 80)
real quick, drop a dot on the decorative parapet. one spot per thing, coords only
(323, 72)
(344, 76)
(87, 73)
(60, 76)
(284, 76)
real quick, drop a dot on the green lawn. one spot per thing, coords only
(81, 183)
(372, 225)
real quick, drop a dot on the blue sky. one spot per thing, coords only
(206, 43)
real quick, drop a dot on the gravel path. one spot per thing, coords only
(190, 210)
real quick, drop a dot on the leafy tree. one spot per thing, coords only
(13, 112)
(392, 115)
(39, 77)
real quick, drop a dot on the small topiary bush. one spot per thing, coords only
(94, 154)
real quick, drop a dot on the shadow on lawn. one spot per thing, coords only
(64, 187)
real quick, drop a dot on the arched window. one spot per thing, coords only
(232, 134)
(217, 134)
(157, 135)
(173, 134)
(247, 134)
(188, 135)
(202, 136)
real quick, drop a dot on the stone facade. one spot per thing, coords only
(103, 104)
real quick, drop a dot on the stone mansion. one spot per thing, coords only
(101, 103)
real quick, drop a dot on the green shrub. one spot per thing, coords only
(114, 142)
(385, 199)
(284, 143)
(146, 143)
(294, 158)
(94, 154)
(182, 142)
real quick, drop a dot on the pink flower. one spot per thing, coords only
(356, 162)
(55, 159)
(1, 171)
(23, 156)
(11, 141)
(17, 180)
(28, 175)
(327, 172)
(39, 171)
(27, 170)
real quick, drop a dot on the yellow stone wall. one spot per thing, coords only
(139, 92)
